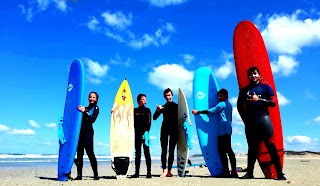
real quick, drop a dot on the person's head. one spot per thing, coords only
(142, 99)
(167, 94)
(223, 94)
(253, 75)
(93, 97)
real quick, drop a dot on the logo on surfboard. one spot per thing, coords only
(70, 87)
(200, 95)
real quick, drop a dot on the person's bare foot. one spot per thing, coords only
(164, 174)
(169, 174)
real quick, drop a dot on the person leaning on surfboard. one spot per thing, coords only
(169, 128)
(142, 125)
(253, 102)
(224, 109)
(89, 116)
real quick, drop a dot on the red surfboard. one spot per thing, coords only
(249, 50)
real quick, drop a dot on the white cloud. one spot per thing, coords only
(188, 58)
(43, 4)
(317, 119)
(118, 61)
(298, 140)
(309, 95)
(233, 101)
(227, 68)
(117, 20)
(61, 5)
(28, 12)
(173, 76)
(95, 70)
(287, 34)
(236, 130)
(116, 37)
(34, 124)
(51, 125)
(285, 66)
(27, 132)
(282, 99)
(4, 128)
(236, 119)
(164, 3)
(92, 24)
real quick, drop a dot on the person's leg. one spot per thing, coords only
(79, 160)
(90, 152)
(164, 145)
(231, 155)
(172, 145)
(146, 151)
(137, 143)
(223, 156)
(268, 139)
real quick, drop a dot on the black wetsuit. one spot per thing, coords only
(258, 125)
(86, 139)
(169, 128)
(142, 123)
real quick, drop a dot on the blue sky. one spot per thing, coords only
(155, 44)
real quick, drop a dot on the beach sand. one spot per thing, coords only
(299, 170)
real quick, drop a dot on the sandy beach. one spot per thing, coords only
(299, 170)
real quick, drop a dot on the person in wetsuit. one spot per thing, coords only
(142, 125)
(89, 116)
(169, 128)
(253, 102)
(224, 110)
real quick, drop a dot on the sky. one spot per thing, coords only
(154, 44)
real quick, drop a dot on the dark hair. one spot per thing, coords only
(253, 69)
(167, 91)
(93, 92)
(140, 96)
(224, 92)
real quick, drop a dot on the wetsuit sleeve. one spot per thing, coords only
(240, 104)
(149, 120)
(91, 118)
(218, 108)
(271, 98)
(156, 114)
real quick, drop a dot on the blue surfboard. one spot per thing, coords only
(69, 127)
(205, 89)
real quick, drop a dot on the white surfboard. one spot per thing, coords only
(182, 147)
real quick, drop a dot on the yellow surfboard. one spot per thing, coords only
(122, 131)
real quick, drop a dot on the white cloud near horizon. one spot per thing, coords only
(95, 70)
(164, 3)
(4, 128)
(27, 132)
(173, 76)
(282, 100)
(51, 125)
(236, 119)
(34, 124)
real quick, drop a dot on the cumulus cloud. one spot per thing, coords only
(173, 76)
(117, 20)
(282, 99)
(95, 70)
(298, 140)
(287, 34)
(93, 23)
(119, 61)
(27, 132)
(51, 125)
(34, 124)
(233, 101)
(227, 68)
(164, 3)
(236, 119)
(285, 65)
(317, 119)
(188, 58)
(4, 128)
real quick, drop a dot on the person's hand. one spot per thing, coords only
(159, 107)
(111, 111)
(194, 111)
(255, 97)
(81, 108)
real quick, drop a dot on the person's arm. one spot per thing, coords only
(149, 120)
(157, 112)
(271, 101)
(91, 117)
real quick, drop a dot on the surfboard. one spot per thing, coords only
(205, 89)
(249, 50)
(122, 131)
(69, 128)
(182, 145)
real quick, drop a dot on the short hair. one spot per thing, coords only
(140, 96)
(224, 92)
(97, 95)
(252, 69)
(167, 91)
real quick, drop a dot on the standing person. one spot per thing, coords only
(142, 125)
(89, 116)
(253, 102)
(169, 128)
(224, 109)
